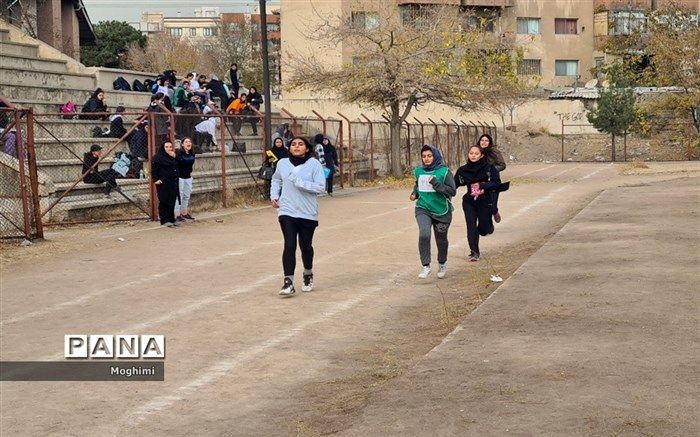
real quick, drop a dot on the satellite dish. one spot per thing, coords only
(591, 83)
(606, 83)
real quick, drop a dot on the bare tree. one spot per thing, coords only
(508, 93)
(402, 58)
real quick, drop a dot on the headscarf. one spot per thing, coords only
(300, 160)
(474, 171)
(437, 157)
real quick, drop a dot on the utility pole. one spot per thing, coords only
(266, 73)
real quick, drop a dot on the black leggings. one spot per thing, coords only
(477, 214)
(109, 177)
(291, 227)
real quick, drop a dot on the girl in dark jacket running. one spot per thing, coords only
(495, 158)
(165, 177)
(481, 179)
(433, 189)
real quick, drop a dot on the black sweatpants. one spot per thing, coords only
(166, 204)
(329, 183)
(304, 229)
(478, 215)
(108, 176)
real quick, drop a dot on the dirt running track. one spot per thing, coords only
(241, 360)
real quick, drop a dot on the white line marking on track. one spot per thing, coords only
(595, 172)
(562, 172)
(139, 282)
(533, 171)
(225, 366)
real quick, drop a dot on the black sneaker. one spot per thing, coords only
(288, 288)
(308, 283)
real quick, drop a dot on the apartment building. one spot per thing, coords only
(204, 24)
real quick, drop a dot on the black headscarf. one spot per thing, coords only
(473, 172)
(300, 160)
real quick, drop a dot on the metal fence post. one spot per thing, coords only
(350, 157)
(371, 147)
(22, 174)
(33, 173)
(562, 140)
(222, 128)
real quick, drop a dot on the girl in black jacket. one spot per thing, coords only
(481, 179)
(96, 103)
(164, 174)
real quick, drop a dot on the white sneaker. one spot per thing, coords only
(308, 284)
(287, 288)
(424, 272)
(442, 270)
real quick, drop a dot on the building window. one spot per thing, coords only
(210, 31)
(176, 31)
(529, 26)
(273, 27)
(565, 68)
(365, 20)
(193, 31)
(566, 26)
(530, 67)
(626, 22)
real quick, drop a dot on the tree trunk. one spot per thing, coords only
(613, 148)
(396, 167)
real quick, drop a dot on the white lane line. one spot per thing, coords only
(562, 172)
(595, 172)
(140, 282)
(537, 202)
(534, 171)
(222, 297)
(224, 367)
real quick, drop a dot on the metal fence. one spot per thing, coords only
(19, 199)
(80, 168)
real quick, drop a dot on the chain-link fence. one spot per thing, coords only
(19, 199)
(93, 173)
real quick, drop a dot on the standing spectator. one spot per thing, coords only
(318, 149)
(235, 85)
(433, 189)
(217, 90)
(495, 158)
(481, 179)
(330, 155)
(272, 157)
(295, 185)
(161, 119)
(95, 104)
(185, 161)
(165, 178)
(9, 147)
(93, 176)
(138, 141)
(205, 133)
(283, 131)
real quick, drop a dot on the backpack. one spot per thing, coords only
(121, 84)
(148, 83)
(135, 168)
(68, 109)
(138, 86)
(98, 132)
(122, 163)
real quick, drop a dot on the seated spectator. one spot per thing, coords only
(93, 176)
(240, 109)
(182, 96)
(116, 124)
(254, 98)
(218, 90)
(95, 104)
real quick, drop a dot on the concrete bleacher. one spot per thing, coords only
(35, 76)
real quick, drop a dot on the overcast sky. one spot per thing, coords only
(130, 10)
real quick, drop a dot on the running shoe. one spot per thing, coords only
(442, 270)
(497, 217)
(473, 257)
(288, 288)
(308, 282)
(424, 272)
